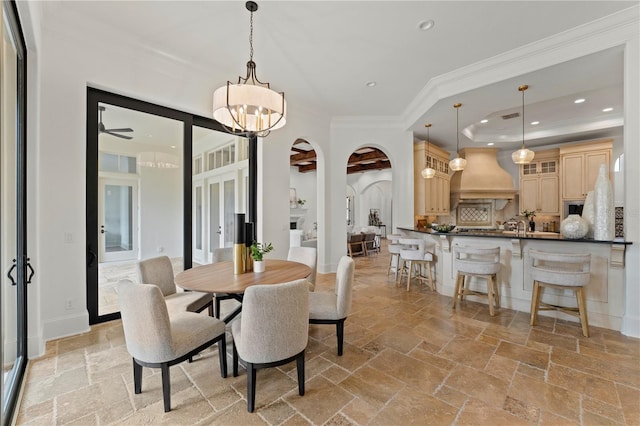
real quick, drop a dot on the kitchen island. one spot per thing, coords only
(605, 292)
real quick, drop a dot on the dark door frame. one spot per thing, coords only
(12, 389)
(95, 96)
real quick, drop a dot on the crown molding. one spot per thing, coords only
(610, 31)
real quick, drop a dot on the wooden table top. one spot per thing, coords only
(219, 277)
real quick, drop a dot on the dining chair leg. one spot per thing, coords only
(340, 335)
(222, 355)
(300, 367)
(137, 377)
(251, 387)
(235, 360)
(166, 387)
(582, 308)
(217, 310)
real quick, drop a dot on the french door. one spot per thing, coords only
(118, 218)
(16, 270)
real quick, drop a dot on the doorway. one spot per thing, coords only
(118, 210)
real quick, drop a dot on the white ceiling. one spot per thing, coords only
(321, 54)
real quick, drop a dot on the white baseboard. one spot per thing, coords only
(630, 326)
(67, 325)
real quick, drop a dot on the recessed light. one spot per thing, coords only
(173, 146)
(490, 144)
(535, 123)
(371, 83)
(607, 109)
(426, 25)
(579, 101)
(484, 121)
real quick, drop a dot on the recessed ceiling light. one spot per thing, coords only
(490, 144)
(484, 121)
(371, 83)
(173, 146)
(535, 123)
(607, 109)
(426, 25)
(579, 101)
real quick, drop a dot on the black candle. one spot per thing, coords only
(239, 235)
(248, 235)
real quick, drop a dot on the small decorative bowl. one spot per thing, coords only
(443, 228)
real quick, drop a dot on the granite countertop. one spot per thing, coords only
(546, 236)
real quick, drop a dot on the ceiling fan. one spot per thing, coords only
(112, 132)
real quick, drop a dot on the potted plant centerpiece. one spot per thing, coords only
(257, 251)
(530, 214)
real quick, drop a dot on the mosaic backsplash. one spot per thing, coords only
(619, 223)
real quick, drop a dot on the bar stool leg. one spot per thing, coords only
(409, 273)
(496, 291)
(431, 283)
(490, 293)
(400, 270)
(456, 292)
(535, 301)
(582, 308)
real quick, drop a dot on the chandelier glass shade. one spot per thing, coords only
(523, 155)
(457, 164)
(427, 172)
(249, 106)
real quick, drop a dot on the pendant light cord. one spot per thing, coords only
(523, 118)
(251, 37)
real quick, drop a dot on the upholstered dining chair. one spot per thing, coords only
(355, 244)
(159, 271)
(333, 307)
(273, 330)
(308, 256)
(221, 255)
(155, 340)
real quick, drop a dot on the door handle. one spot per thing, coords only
(31, 271)
(13, 282)
(219, 232)
(102, 231)
(91, 257)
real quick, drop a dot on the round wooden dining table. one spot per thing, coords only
(219, 278)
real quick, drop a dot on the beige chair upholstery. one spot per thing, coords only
(333, 307)
(416, 260)
(159, 271)
(156, 340)
(394, 259)
(370, 244)
(308, 256)
(221, 255)
(273, 330)
(562, 271)
(479, 262)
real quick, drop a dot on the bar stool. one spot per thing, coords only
(480, 263)
(394, 238)
(394, 260)
(562, 271)
(415, 256)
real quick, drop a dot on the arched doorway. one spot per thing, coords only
(303, 199)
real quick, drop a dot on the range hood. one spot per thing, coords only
(482, 179)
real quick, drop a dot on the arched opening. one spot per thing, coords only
(303, 199)
(369, 194)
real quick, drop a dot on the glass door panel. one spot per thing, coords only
(215, 226)
(229, 197)
(15, 267)
(198, 224)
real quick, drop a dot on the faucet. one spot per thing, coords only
(524, 228)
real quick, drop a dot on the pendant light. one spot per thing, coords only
(523, 155)
(249, 107)
(457, 164)
(428, 172)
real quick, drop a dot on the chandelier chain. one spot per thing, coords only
(251, 37)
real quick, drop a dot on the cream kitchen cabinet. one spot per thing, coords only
(580, 165)
(539, 184)
(431, 196)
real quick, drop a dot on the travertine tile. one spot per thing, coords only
(408, 357)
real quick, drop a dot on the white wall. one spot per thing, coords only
(306, 189)
(373, 190)
(61, 67)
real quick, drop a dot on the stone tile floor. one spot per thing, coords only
(408, 359)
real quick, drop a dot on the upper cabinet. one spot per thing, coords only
(539, 188)
(431, 196)
(580, 165)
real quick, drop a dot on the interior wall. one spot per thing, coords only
(306, 189)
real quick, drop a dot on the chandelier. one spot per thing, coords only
(457, 164)
(523, 155)
(249, 107)
(428, 172)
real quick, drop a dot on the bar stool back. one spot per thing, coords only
(477, 262)
(563, 271)
(416, 258)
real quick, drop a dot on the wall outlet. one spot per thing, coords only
(160, 249)
(68, 237)
(68, 304)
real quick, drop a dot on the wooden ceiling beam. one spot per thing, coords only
(302, 157)
(366, 157)
(378, 165)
